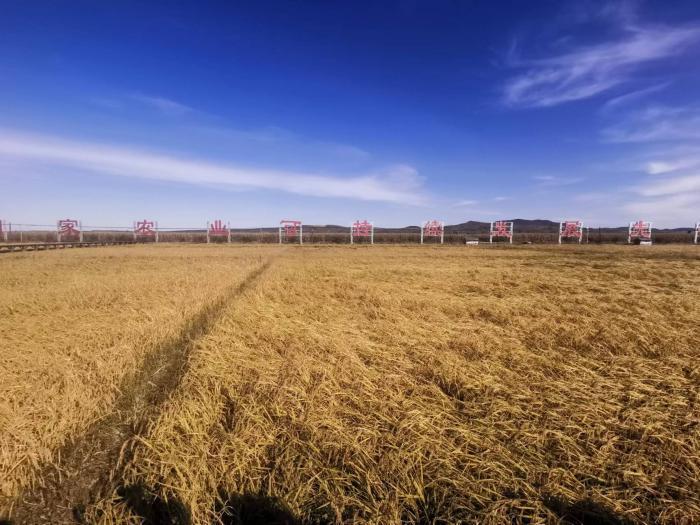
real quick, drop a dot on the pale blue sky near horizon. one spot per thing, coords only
(396, 112)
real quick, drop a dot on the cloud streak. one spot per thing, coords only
(670, 135)
(656, 124)
(685, 184)
(670, 210)
(589, 71)
(633, 96)
(551, 181)
(465, 203)
(673, 160)
(394, 184)
(164, 105)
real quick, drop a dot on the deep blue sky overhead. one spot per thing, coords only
(331, 111)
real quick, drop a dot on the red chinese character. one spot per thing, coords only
(145, 228)
(501, 229)
(68, 228)
(433, 228)
(640, 230)
(291, 228)
(572, 229)
(362, 229)
(218, 228)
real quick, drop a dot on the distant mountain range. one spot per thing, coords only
(538, 226)
(469, 227)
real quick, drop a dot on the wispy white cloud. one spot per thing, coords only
(110, 103)
(684, 184)
(676, 210)
(633, 96)
(591, 70)
(660, 182)
(164, 105)
(620, 12)
(465, 203)
(262, 145)
(672, 162)
(655, 124)
(671, 191)
(669, 201)
(280, 139)
(397, 183)
(552, 181)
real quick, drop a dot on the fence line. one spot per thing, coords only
(39, 246)
(47, 233)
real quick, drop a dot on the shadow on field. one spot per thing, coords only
(152, 509)
(247, 509)
(583, 512)
(237, 509)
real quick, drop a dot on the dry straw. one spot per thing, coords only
(396, 384)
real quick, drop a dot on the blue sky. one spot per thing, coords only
(396, 112)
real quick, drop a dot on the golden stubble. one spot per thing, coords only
(75, 324)
(415, 384)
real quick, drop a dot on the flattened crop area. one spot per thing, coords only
(228, 384)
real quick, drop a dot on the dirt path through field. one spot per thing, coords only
(88, 465)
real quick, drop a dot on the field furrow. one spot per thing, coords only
(77, 395)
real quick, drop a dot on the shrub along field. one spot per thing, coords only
(248, 384)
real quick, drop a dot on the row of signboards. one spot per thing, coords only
(292, 230)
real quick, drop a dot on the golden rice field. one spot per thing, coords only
(202, 384)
